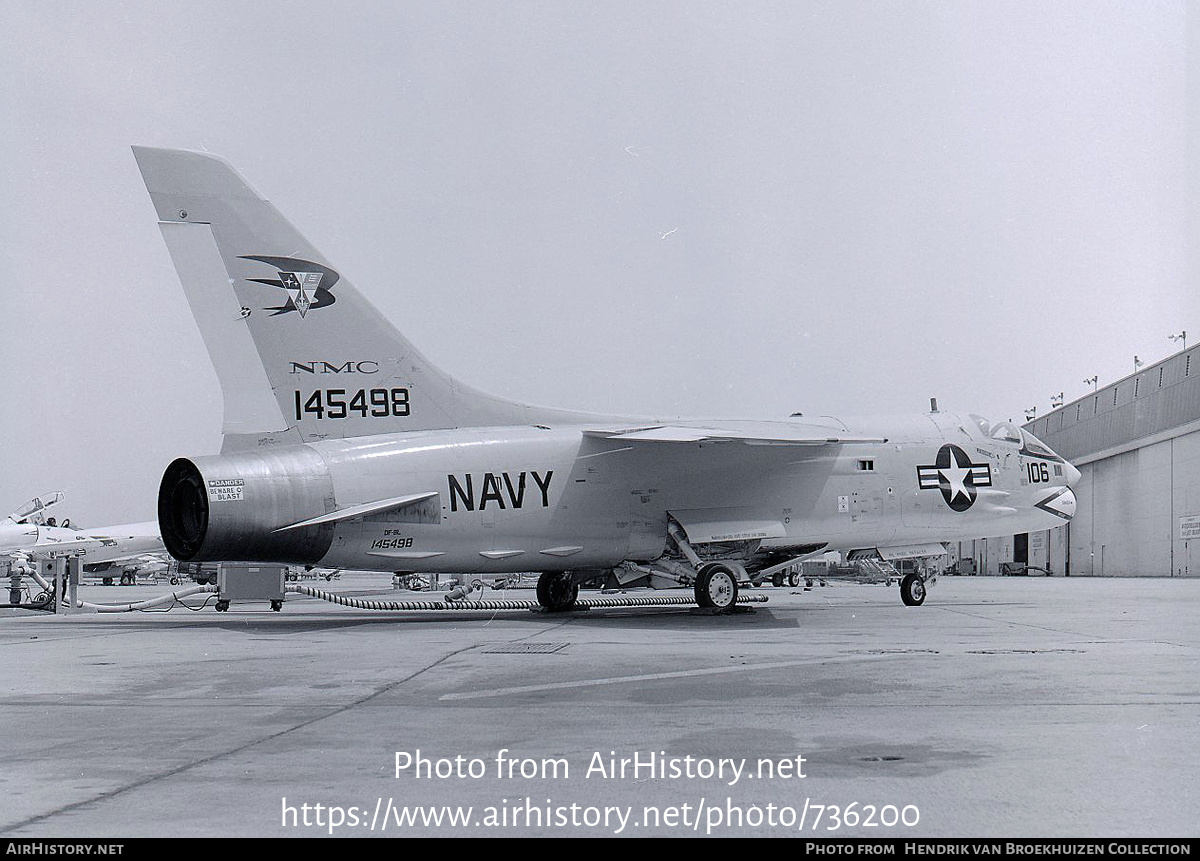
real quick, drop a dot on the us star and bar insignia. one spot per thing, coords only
(955, 476)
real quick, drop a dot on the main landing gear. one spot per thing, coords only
(717, 586)
(557, 591)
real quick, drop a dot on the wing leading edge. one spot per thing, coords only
(749, 433)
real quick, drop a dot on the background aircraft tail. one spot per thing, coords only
(300, 354)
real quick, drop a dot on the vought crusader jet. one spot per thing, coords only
(344, 447)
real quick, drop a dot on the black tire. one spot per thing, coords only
(793, 579)
(776, 579)
(912, 590)
(557, 591)
(716, 587)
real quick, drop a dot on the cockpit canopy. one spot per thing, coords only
(1010, 433)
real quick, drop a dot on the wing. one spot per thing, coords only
(749, 433)
(108, 544)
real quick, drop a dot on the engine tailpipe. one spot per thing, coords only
(227, 507)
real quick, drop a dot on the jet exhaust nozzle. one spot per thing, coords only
(227, 507)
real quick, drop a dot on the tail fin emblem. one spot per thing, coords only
(308, 284)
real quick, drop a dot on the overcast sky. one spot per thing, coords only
(699, 209)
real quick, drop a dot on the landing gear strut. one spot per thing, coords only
(557, 591)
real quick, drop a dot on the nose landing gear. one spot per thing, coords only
(912, 590)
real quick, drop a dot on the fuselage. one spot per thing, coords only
(508, 499)
(108, 544)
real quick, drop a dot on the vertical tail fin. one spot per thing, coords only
(300, 354)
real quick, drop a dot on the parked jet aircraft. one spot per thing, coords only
(345, 447)
(27, 534)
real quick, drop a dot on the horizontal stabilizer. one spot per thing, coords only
(350, 512)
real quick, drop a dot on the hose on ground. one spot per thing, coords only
(149, 604)
(580, 604)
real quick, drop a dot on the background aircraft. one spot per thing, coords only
(345, 447)
(27, 534)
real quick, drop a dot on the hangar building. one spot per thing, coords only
(1137, 444)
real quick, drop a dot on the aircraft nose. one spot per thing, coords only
(1072, 474)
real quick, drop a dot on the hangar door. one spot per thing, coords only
(1021, 548)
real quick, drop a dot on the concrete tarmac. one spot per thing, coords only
(1003, 707)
